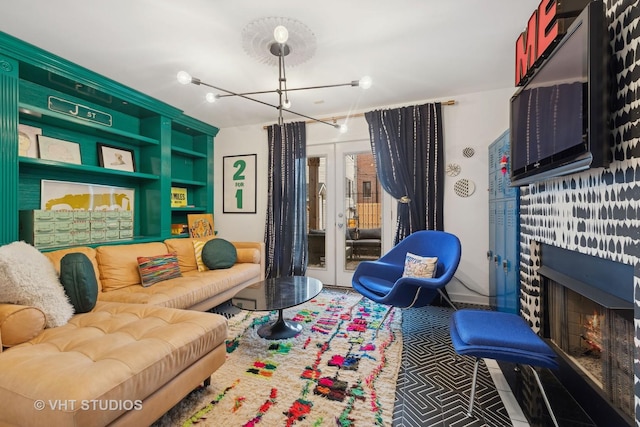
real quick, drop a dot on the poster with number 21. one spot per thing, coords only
(239, 184)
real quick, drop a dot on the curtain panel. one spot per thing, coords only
(408, 151)
(286, 224)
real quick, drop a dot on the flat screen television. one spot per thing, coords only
(560, 116)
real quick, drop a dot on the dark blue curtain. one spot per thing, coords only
(408, 151)
(285, 231)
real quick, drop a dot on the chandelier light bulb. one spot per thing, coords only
(211, 97)
(287, 104)
(184, 77)
(281, 34)
(365, 82)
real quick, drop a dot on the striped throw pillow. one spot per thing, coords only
(198, 245)
(154, 269)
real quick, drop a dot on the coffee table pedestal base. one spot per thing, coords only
(280, 330)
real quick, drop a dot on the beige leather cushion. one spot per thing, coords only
(118, 264)
(187, 291)
(248, 255)
(186, 254)
(56, 256)
(20, 323)
(115, 352)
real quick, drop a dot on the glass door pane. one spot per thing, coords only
(363, 200)
(316, 209)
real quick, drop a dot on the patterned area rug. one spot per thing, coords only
(337, 371)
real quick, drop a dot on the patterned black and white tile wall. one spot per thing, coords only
(596, 212)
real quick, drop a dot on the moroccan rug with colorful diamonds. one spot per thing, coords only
(337, 372)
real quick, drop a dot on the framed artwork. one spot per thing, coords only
(64, 195)
(200, 225)
(59, 150)
(239, 184)
(178, 197)
(116, 158)
(28, 140)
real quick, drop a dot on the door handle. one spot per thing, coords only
(489, 253)
(505, 266)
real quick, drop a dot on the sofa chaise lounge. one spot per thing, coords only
(134, 355)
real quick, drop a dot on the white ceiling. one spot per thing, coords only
(413, 50)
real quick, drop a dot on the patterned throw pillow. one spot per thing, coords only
(198, 245)
(154, 269)
(419, 266)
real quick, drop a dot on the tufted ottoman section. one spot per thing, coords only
(105, 363)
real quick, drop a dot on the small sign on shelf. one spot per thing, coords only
(178, 197)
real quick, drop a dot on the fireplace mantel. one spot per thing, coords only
(607, 282)
(605, 299)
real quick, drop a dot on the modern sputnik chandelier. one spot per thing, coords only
(279, 45)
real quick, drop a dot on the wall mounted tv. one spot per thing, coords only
(560, 116)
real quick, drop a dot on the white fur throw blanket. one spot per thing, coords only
(27, 277)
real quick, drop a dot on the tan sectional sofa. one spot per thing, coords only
(119, 281)
(132, 357)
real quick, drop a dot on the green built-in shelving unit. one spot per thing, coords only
(70, 103)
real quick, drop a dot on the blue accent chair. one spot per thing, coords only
(381, 280)
(500, 336)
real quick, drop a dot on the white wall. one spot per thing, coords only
(474, 121)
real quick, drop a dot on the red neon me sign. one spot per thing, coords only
(542, 30)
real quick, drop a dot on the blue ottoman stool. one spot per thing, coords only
(500, 336)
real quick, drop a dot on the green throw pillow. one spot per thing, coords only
(219, 253)
(79, 281)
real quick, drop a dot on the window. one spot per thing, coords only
(366, 189)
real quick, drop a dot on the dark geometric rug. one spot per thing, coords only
(434, 382)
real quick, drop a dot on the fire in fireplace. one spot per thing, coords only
(592, 334)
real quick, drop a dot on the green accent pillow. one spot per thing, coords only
(79, 281)
(219, 253)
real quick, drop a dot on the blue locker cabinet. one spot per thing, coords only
(504, 230)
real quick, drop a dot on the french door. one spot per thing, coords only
(344, 198)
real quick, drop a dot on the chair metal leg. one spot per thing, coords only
(473, 387)
(446, 298)
(544, 397)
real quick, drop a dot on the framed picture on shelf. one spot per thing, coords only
(59, 150)
(200, 225)
(28, 140)
(116, 158)
(239, 184)
(65, 195)
(178, 197)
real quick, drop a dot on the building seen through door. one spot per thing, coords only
(361, 220)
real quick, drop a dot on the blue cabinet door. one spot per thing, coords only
(504, 232)
(493, 291)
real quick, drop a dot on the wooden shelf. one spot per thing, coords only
(188, 153)
(51, 117)
(84, 169)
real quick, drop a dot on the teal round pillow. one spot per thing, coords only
(79, 281)
(219, 253)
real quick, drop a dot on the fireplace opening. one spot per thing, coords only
(587, 315)
(598, 341)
